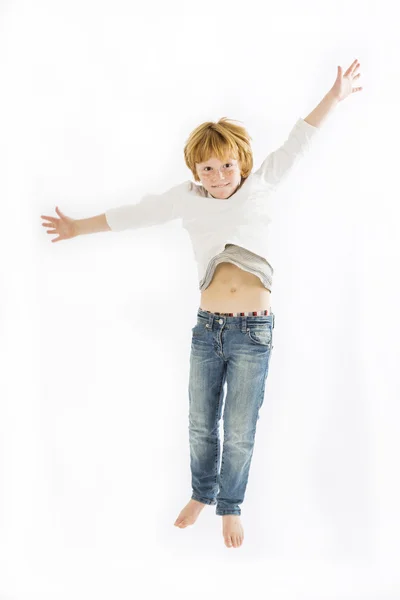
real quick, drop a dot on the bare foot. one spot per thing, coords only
(189, 513)
(232, 530)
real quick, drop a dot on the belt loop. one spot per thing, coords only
(210, 321)
(243, 324)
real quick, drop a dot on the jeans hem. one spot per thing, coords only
(227, 512)
(204, 500)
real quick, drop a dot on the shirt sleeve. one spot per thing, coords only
(152, 209)
(279, 163)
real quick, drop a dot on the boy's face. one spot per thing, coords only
(214, 173)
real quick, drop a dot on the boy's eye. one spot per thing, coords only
(224, 165)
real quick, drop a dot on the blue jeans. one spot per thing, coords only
(235, 350)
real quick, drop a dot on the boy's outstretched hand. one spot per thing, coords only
(64, 226)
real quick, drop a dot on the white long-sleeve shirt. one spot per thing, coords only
(243, 220)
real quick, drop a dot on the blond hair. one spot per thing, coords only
(220, 139)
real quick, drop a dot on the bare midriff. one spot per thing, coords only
(234, 290)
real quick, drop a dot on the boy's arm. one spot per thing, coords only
(320, 112)
(152, 209)
(91, 225)
(279, 163)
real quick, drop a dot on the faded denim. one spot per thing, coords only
(235, 350)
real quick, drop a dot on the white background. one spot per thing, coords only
(97, 102)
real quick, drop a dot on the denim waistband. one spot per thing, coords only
(218, 318)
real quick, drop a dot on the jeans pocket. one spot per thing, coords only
(198, 330)
(260, 334)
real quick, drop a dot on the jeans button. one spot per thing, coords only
(220, 321)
